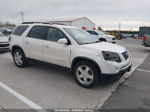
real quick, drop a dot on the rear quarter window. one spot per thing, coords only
(20, 30)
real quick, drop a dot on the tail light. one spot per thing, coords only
(144, 38)
(94, 28)
(84, 28)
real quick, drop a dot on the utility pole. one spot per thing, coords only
(22, 16)
(119, 27)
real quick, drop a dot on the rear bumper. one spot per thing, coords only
(146, 43)
(106, 78)
(112, 41)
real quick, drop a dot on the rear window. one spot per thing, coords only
(20, 30)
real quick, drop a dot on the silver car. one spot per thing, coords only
(4, 42)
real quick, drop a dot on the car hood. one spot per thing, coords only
(4, 39)
(104, 46)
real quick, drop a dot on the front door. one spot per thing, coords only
(53, 52)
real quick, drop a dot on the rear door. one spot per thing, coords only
(33, 42)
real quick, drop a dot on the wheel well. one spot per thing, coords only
(85, 59)
(14, 48)
(102, 39)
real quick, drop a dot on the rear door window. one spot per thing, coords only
(38, 32)
(20, 30)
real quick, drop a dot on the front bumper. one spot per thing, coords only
(4, 46)
(108, 78)
(112, 41)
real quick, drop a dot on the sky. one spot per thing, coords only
(105, 13)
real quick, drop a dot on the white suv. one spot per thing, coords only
(89, 59)
(103, 36)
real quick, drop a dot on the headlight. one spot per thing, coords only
(111, 56)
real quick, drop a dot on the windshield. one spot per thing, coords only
(81, 36)
(100, 32)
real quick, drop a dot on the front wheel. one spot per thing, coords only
(19, 58)
(86, 74)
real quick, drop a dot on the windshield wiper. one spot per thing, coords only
(91, 42)
(96, 41)
(85, 43)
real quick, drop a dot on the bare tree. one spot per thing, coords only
(99, 28)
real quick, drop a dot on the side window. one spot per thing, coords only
(38, 32)
(55, 34)
(20, 30)
(92, 32)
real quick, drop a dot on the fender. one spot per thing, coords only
(77, 59)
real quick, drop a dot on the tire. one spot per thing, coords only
(86, 74)
(19, 58)
(102, 40)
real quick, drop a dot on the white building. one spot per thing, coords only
(82, 22)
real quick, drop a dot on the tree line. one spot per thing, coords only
(6, 23)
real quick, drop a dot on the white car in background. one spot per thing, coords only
(103, 36)
(4, 42)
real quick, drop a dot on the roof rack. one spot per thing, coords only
(58, 23)
(51, 23)
(35, 22)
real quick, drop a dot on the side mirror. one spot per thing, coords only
(62, 41)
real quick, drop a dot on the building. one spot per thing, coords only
(143, 31)
(82, 22)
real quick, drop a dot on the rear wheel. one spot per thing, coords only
(19, 58)
(86, 74)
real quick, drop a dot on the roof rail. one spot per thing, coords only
(58, 23)
(51, 23)
(35, 22)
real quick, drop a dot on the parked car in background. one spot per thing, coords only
(4, 42)
(146, 41)
(89, 59)
(103, 36)
(7, 31)
(136, 36)
(120, 36)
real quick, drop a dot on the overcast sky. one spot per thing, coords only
(105, 13)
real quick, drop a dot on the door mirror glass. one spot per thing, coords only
(62, 41)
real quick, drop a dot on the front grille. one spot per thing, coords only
(4, 45)
(125, 55)
(4, 49)
(4, 42)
